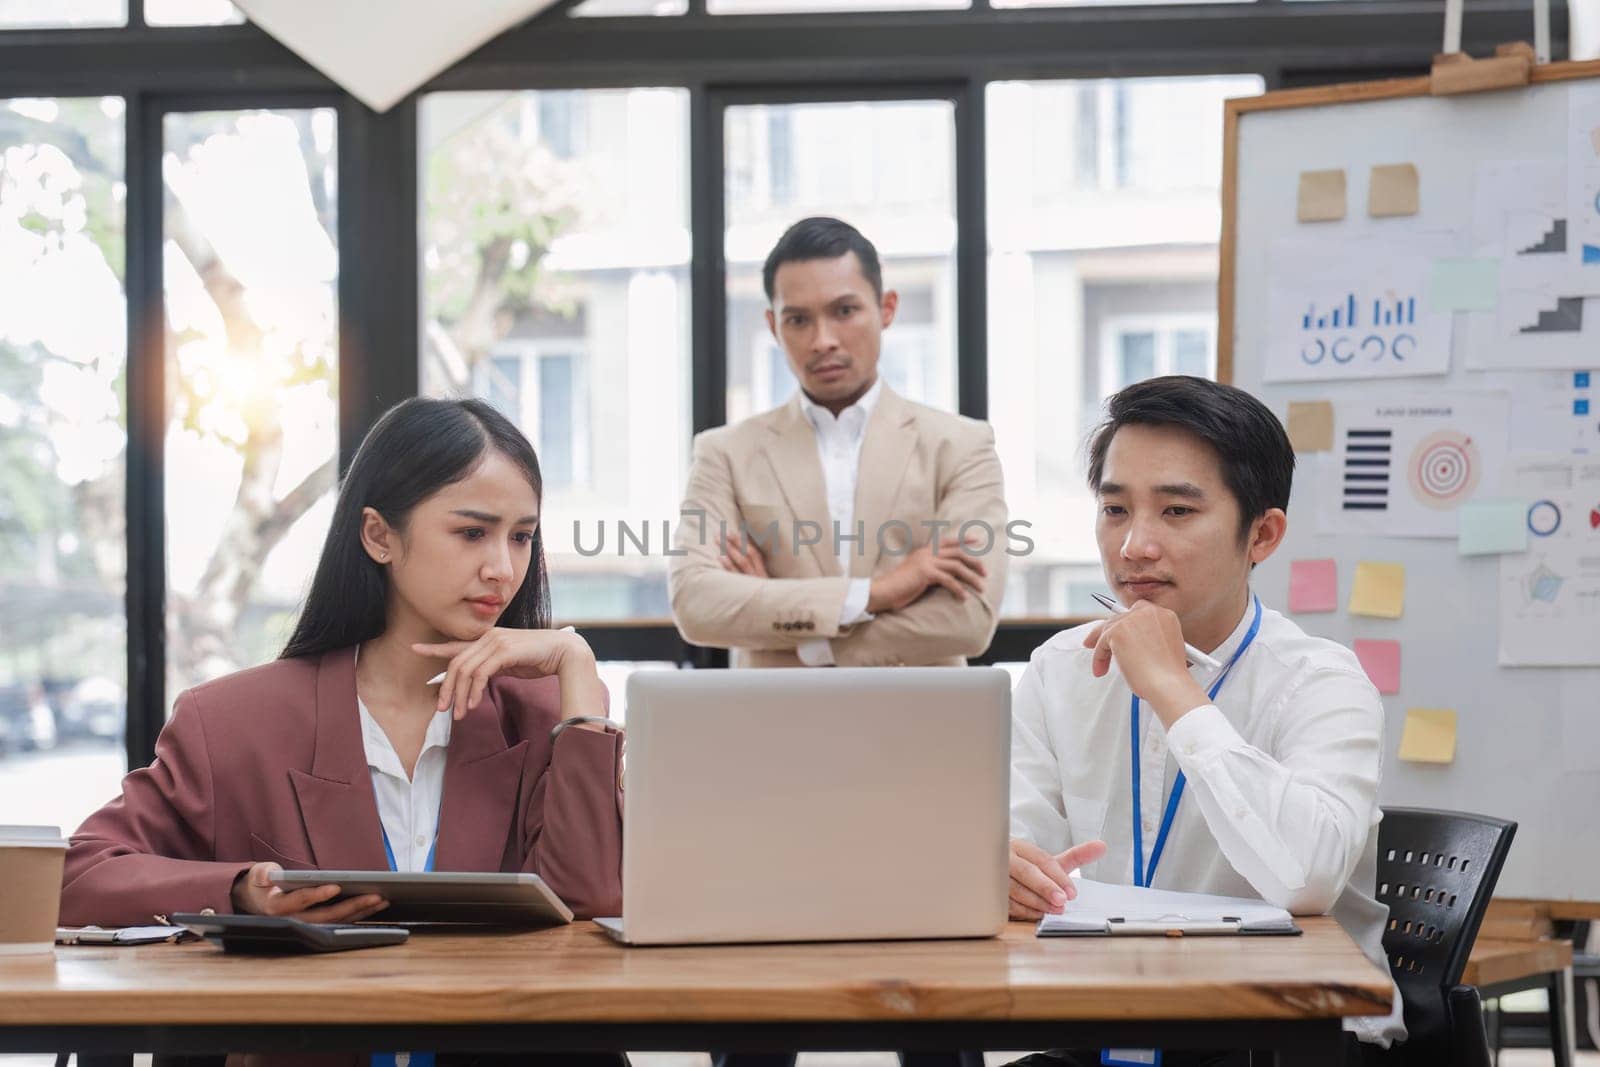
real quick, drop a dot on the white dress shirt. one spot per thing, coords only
(839, 448)
(1282, 794)
(407, 807)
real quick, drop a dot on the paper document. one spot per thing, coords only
(125, 935)
(1100, 907)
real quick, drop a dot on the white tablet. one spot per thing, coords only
(443, 896)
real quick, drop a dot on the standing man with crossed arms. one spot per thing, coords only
(850, 526)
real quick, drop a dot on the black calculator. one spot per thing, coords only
(266, 935)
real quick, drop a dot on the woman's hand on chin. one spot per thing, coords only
(519, 653)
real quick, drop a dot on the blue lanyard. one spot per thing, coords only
(412, 1059)
(1142, 875)
(388, 852)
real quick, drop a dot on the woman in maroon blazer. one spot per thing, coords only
(433, 562)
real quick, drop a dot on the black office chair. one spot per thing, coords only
(1436, 872)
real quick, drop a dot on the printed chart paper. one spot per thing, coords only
(1341, 309)
(1583, 176)
(1550, 594)
(1404, 462)
(1546, 313)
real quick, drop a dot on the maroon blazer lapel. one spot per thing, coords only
(336, 802)
(482, 779)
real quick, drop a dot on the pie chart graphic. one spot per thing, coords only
(1544, 518)
(1594, 518)
(1444, 469)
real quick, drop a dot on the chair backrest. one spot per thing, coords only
(1436, 872)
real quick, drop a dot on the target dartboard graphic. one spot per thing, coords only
(1444, 469)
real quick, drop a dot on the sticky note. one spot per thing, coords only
(1464, 285)
(1490, 526)
(1379, 590)
(1430, 736)
(1313, 585)
(1310, 425)
(1392, 190)
(1381, 661)
(1321, 195)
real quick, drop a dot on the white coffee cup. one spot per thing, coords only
(31, 858)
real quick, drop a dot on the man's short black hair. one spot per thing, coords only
(1256, 456)
(821, 237)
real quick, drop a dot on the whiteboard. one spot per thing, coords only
(1528, 739)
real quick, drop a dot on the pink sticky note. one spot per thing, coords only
(1381, 660)
(1313, 585)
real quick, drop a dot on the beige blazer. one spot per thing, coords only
(917, 464)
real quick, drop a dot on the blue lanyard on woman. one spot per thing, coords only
(1142, 875)
(411, 1059)
(388, 852)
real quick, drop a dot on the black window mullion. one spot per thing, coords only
(709, 330)
(380, 271)
(972, 254)
(146, 416)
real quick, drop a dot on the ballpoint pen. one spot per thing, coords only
(1196, 657)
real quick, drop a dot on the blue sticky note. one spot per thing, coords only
(1591, 253)
(1493, 526)
(1580, 407)
(1464, 285)
(1580, 379)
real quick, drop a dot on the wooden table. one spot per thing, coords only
(572, 987)
(1520, 946)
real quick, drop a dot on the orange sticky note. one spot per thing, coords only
(1321, 196)
(1392, 190)
(1313, 585)
(1430, 736)
(1381, 661)
(1379, 590)
(1310, 425)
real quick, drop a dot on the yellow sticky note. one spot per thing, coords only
(1310, 425)
(1430, 736)
(1321, 195)
(1379, 590)
(1392, 190)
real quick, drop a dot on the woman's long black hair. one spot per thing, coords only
(416, 449)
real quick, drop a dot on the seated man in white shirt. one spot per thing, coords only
(1259, 778)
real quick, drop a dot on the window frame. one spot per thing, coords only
(719, 59)
(1164, 326)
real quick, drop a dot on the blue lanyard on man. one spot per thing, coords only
(405, 1059)
(1144, 875)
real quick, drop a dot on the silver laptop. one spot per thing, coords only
(815, 805)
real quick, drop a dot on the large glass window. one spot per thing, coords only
(63, 641)
(887, 168)
(1103, 224)
(53, 14)
(776, 7)
(191, 13)
(251, 268)
(556, 286)
(618, 8)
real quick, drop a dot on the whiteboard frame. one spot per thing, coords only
(1321, 96)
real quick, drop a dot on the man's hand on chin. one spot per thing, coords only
(1147, 644)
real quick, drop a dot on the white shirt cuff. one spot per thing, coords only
(1200, 735)
(815, 653)
(854, 609)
